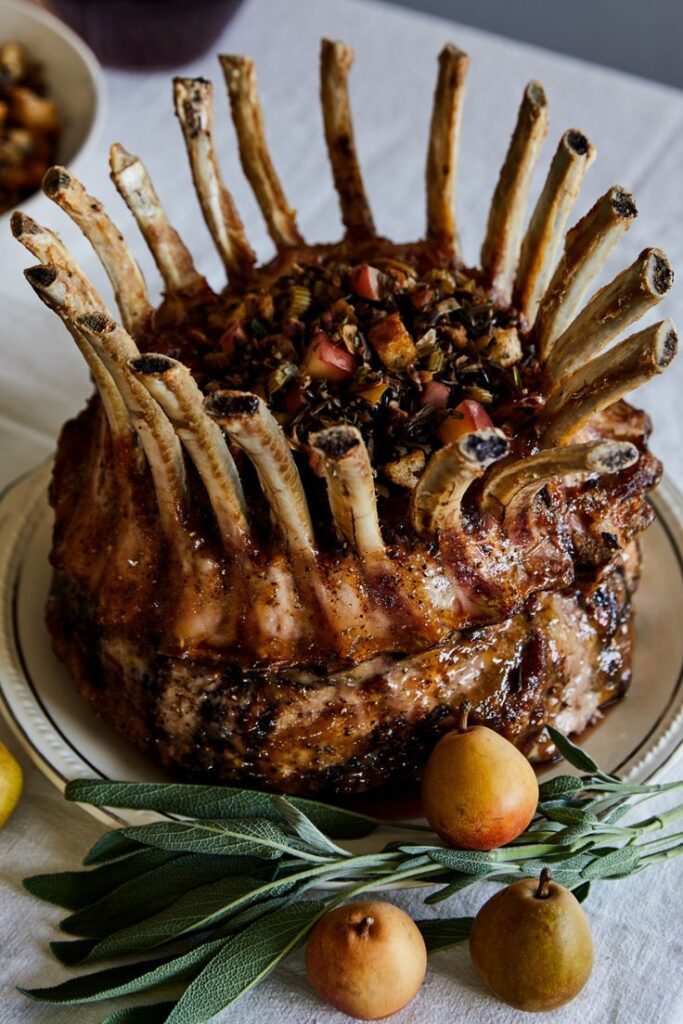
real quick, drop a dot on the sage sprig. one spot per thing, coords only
(205, 902)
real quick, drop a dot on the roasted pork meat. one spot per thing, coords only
(305, 518)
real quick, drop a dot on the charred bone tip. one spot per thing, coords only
(667, 346)
(483, 446)
(22, 224)
(335, 442)
(623, 203)
(535, 93)
(612, 456)
(577, 142)
(55, 180)
(659, 271)
(41, 277)
(151, 364)
(226, 404)
(98, 323)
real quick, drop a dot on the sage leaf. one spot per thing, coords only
(148, 894)
(573, 835)
(72, 953)
(236, 837)
(150, 1014)
(473, 862)
(438, 934)
(306, 830)
(571, 816)
(561, 785)
(446, 891)
(125, 981)
(581, 891)
(73, 890)
(215, 802)
(200, 908)
(613, 865)
(244, 961)
(110, 847)
(576, 755)
(617, 813)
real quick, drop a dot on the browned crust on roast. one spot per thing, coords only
(559, 661)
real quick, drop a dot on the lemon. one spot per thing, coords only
(11, 784)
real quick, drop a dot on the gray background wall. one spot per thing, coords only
(644, 37)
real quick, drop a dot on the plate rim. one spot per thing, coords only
(667, 501)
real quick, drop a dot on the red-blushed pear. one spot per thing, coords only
(478, 791)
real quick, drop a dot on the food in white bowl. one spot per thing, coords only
(62, 75)
(307, 517)
(29, 125)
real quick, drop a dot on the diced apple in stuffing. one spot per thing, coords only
(232, 334)
(365, 281)
(466, 417)
(392, 342)
(406, 471)
(436, 394)
(325, 360)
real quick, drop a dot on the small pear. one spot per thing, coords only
(531, 944)
(11, 784)
(478, 791)
(368, 959)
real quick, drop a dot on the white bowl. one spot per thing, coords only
(72, 74)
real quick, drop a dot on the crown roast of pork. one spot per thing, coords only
(304, 518)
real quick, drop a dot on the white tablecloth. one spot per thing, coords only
(637, 128)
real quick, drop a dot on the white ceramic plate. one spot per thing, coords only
(638, 738)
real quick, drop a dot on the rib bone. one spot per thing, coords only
(157, 436)
(171, 384)
(351, 489)
(251, 425)
(608, 378)
(48, 247)
(170, 254)
(247, 115)
(500, 251)
(573, 157)
(444, 144)
(123, 272)
(335, 62)
(436, 501)
(519, 481)
(194, 106)
(114, 347)
(586, 248)
(611, 310)
(54, 285)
